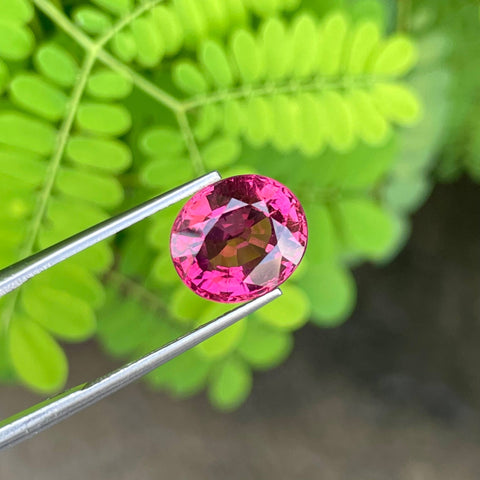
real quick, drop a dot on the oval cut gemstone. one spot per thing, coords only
(239, 238)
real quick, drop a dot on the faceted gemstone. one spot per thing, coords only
(239, 238)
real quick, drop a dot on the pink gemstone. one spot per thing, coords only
(239, 238)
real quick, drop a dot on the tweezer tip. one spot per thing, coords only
(215, 175)
(277, 292)
(268, 297)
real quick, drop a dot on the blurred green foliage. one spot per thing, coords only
(107, 103)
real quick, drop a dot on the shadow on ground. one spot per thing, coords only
(393, 394)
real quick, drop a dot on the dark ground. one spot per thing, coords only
(394, 394)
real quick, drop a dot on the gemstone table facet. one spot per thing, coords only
(239, 238)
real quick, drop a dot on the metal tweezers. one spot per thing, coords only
(45, 414)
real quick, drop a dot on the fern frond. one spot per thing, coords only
(130, 306)
(313, 102)
(303, 86)
(165, 29)
(57, 123)
(459, 28)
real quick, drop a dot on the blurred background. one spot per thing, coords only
(391, 394)
(366, 367)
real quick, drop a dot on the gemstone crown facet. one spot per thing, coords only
(239, 238)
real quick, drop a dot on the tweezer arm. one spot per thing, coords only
(26, 424)
(15, 275)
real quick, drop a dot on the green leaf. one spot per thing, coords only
(224, 342)
(117, 7)
(16, 41)
(264, 347)
(136, 257)
(15, 210)
(237, 11)
(259, 121)
(311, 133)
(108, 85)
(105, 119)
(321, 228)
(215, 63)
(20, 130)
(186, 305)
(362, 168)
(267, 8)
(367, 227)
(221, 152)
(340, 121)
(183, 376)
(397, 103)
(333, 34)
(289, 312)
(277, 50)
(189, 78)
(57, 64)
(32, 93)
(207, 123)
(192, 19)
(92, 20)
(124, 46)
(247, 56)
(364, 10)
(61, 313)
(102, 153)
(396, 56)
(37, 358)
(72, 216)
(285, 123)
(216, 15)
(371, 125)
(234, 118)
(365, 38)
(162, 334)
(99, 189)
(230, 385)
(191, 375)
(161, 226)
(163, 272)
(405, 194)
(305, 45)
(164, 172)
(25, 166)
(124, 325)
(170, 27)
(150, 44)
(16, 11)
(331, 290)
(162, 141)
(74, 280)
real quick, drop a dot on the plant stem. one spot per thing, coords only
(140, 81)
(64, 23)
(272, 89)
(96, 47)
(191, 143)
(125, 21)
